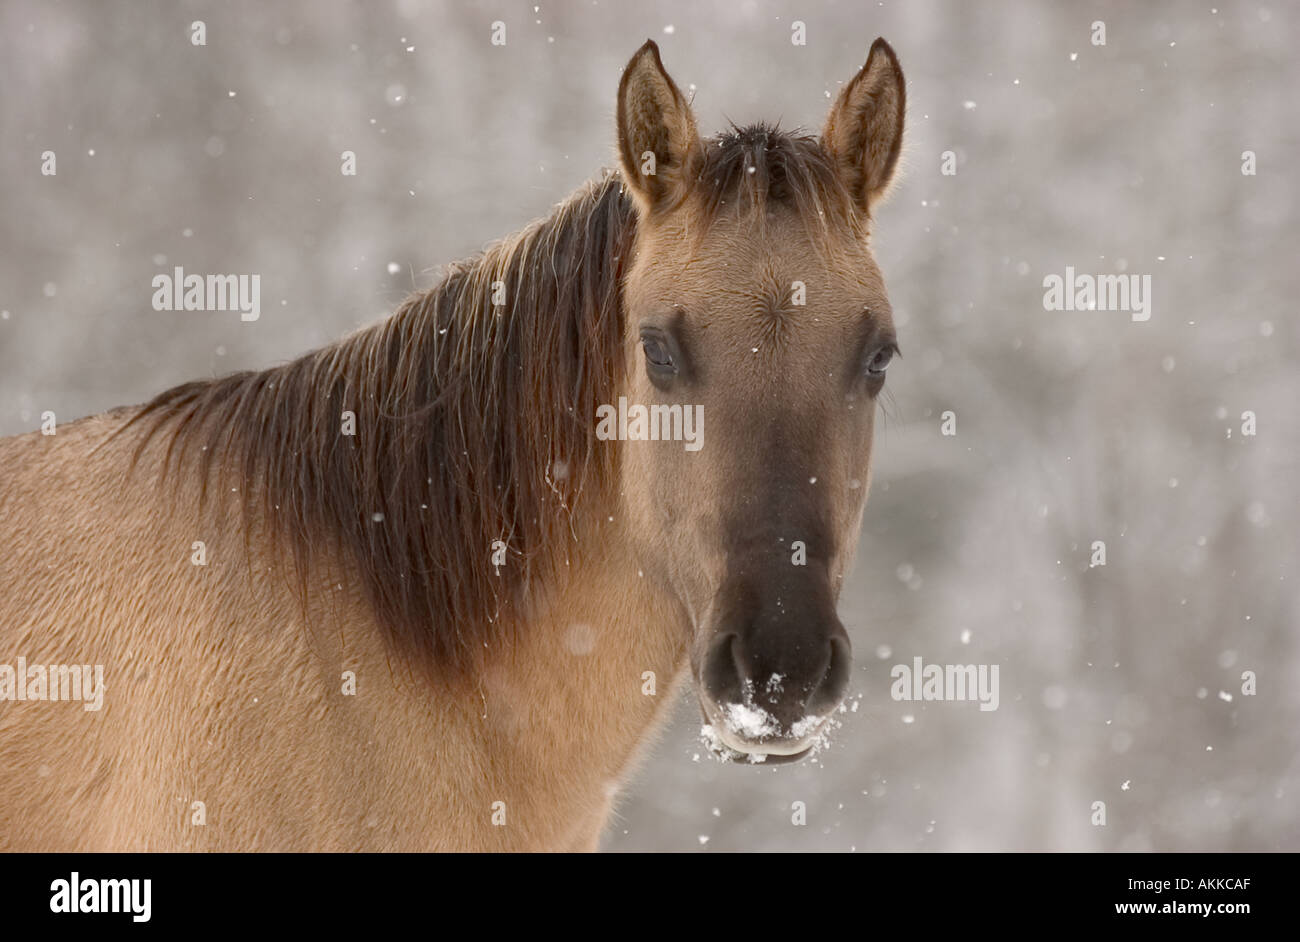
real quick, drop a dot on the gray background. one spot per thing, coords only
(1072, 426)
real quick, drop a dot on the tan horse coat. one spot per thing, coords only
(217, 692)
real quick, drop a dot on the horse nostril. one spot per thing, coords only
(731, 674)
(835, 681)
(723, 676)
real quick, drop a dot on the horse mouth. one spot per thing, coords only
(744, 733)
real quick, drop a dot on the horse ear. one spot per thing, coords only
(658, 145)
(864, 130)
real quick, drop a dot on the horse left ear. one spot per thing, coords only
(658, 144)
(864, 130)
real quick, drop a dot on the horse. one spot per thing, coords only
(398, 594)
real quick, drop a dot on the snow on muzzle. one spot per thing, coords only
(775, 665)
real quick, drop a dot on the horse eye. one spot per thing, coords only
(880, 361)
(656, 353)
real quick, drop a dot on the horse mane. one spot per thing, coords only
(474, 409)
(755, 168)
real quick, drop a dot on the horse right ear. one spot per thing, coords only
(658, 144)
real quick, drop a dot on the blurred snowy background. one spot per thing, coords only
(1120, 683)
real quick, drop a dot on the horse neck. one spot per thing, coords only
(576, 676)
(587, 680)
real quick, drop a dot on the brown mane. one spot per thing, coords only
(474, 422)
(759, 166)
